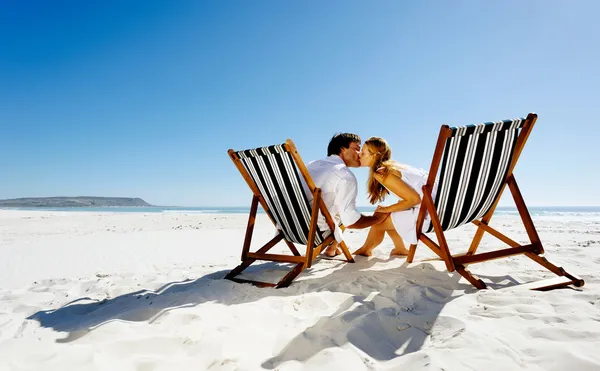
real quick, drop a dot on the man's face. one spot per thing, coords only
(351, 155)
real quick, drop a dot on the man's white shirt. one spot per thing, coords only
(339, 189)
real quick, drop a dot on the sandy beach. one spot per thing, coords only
(144, 291)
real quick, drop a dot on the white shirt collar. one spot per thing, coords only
(336, 159)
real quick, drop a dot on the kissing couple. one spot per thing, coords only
(339, 189)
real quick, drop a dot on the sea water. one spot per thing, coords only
(533, 210)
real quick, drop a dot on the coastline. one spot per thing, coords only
(534, 210)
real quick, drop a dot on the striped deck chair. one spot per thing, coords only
(273, 174)
(477, 163)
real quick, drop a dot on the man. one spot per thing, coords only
(339, 187)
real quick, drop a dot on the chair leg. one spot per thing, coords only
(559, 271)
(346, 252)
(473, 279)
(312, 230)
(250, 227)
(411, 253)
(284, 282)
(288, 278)
(477, 238)
(292, 248)
(524, 213)
(239, 269)
(246, 262)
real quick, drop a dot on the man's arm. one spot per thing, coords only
(366, 221)
(345, 199)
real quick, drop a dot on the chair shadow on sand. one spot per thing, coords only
(395, 318)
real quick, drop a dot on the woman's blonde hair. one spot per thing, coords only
(382, 164)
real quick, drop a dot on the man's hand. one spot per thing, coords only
(367, 221)
(382, 209)
(380, 216)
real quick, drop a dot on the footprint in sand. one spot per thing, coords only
(563, 334)
(403, 326)
(309, 303)
(445, 328)
(224, 365)
(437, 295)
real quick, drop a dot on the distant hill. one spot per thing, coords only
(73, 202)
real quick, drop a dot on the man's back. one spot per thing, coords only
(339, 188)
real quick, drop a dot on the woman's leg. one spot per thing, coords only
(399, 248)
(375, 237)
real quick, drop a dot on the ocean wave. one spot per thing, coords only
(552, 213)
(566, 213)
(185, 211)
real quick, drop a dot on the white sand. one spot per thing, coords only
(110, 291)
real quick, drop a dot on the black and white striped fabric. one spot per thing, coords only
(474, 166)
(273, 170)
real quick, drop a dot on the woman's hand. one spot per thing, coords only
(382, 209)
(381, 171)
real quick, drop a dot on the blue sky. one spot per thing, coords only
(143, 98)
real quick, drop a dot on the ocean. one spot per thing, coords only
(534, 210)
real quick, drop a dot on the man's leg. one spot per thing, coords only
(332, 250)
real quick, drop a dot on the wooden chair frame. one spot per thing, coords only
(533, 250)
(300, 262)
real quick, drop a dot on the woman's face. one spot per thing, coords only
(367, 157)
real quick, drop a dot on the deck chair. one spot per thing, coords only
(477, 164)
(273, 174)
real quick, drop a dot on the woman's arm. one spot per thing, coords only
(394, 183)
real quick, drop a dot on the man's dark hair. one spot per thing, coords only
(341, 140)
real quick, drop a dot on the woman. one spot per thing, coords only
(387, 176)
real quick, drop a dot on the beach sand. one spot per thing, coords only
(144, 291)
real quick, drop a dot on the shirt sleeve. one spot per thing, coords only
(345, 199)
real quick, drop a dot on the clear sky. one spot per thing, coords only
(143, 98)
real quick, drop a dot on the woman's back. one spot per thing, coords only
(414, 177)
